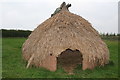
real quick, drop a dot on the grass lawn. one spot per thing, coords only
(13, 65)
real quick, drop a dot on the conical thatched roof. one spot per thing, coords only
(62, 31)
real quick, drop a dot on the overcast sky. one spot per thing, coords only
(28, 14)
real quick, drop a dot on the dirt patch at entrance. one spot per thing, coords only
(69, 59)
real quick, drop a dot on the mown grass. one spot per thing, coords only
(13, 65)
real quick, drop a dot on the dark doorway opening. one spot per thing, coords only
(69, 59)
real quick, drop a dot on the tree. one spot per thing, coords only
(15, 33)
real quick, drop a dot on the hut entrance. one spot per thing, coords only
(69, 59)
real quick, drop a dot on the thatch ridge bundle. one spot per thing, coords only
(62, 31)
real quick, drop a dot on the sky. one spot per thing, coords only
(119, 17)
(28, 14)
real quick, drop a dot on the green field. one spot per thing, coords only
(13, 65)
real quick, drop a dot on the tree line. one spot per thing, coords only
(15, 33)
(109, 34)
(26, 33)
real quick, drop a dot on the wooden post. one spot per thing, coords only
(30, 60)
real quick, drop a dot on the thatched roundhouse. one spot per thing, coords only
(63, 33)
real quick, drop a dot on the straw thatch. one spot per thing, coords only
(65, 30)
